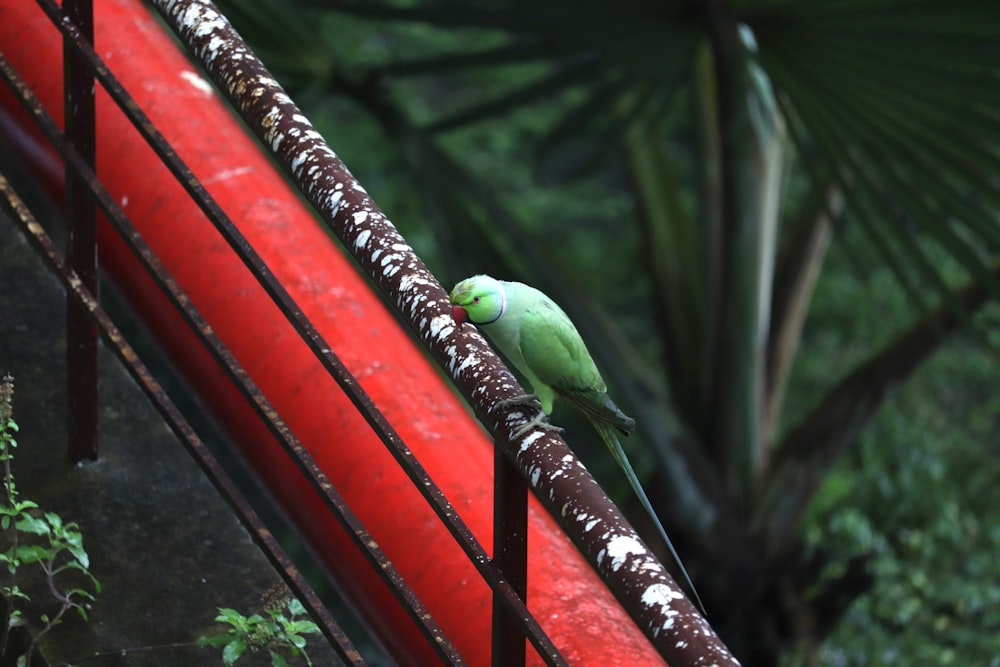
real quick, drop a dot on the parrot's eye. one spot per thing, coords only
(475, 299)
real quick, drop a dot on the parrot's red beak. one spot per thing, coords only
(459, 314)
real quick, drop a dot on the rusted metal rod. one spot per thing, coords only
(81, 335)
(510, 554)
(559, 480)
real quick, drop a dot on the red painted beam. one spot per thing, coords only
(573, 606)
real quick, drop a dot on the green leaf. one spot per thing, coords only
(76, 549)
(81, 556)
(231, 616)
(305, 627)
(253, 619)
(54, 520)
(32, 553)
(233, 650)
(33, 525)
(80, 592)
(15, 592)
(278, 660)
(295, 607)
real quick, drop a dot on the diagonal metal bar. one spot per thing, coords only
(77, 290)
(510, 547)
(433, 633)
(559, 480)
(508, 597)
(81, 336)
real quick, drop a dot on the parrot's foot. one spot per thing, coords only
(519, 401)
(540, 420)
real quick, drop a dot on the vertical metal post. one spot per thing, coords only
(510, 555)
(81, 334)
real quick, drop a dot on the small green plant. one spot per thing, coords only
(35, 538)
(275, 631)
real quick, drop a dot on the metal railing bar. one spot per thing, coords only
(433, 633)
(81, 335)
(510, 519)
(75, 287)
(394, 443)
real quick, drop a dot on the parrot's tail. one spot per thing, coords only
(610, 437)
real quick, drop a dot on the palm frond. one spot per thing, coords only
(543, 87)
(900, 124)
(515, 53)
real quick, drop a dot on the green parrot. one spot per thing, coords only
(541, 341)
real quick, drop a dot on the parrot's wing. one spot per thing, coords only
(553, 349)
(600, 406)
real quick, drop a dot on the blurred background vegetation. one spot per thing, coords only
(775, 223)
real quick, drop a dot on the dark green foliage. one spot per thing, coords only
(278, 630)
(33, 540)
(917, 497)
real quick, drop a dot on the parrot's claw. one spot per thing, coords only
(517, 402)
(540, 420)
